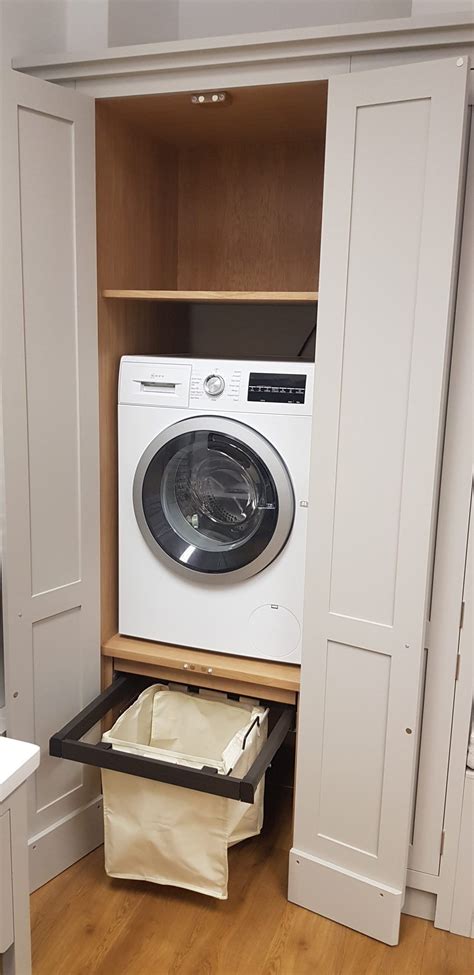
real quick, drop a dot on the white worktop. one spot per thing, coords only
(18, 759)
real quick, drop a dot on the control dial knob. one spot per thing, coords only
(214, 385)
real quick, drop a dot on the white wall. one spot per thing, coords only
(28, 26)
(140, 21)
(50, 26)
(433, 8)
(198, 18)
(87, 25)
(137, 21)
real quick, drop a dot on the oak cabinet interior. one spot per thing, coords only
(207, 198)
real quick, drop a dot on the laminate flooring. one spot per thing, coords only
(84, 923)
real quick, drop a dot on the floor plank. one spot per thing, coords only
(447, 954)
(85, 923)
(305, 943)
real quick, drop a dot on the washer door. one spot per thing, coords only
(213, 496)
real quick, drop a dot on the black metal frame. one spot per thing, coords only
(122, 692)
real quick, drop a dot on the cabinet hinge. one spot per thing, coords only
(461, 615)
(458, 667)
(426, 638)
(441, 845)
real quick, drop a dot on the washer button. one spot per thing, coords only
(214, 385)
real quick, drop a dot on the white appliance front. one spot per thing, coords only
(213, 488)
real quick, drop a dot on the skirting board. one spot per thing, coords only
(58, 847)
(346, 897)
(462, 916)
(420, 903)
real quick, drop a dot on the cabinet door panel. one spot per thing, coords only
(50, 420)
(448, 572)
(394, 161)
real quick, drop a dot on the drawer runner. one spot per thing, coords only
(121, 693)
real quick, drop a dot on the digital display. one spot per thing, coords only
(275, 387)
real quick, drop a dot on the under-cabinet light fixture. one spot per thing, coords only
(210, 98)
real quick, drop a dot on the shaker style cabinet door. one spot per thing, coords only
(392, 193)
(50, 423)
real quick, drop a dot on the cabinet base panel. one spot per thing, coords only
(346, 897)
(58, 847)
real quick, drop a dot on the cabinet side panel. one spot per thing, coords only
(137, 179)
(6, 916)
(452, 527)
(136, 248)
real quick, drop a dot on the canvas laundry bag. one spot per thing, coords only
(171, 835)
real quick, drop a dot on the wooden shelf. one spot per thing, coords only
(262, 297)
(242, 675)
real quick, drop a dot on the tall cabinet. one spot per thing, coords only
(384, 151)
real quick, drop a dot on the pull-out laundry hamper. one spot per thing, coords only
(170, 835)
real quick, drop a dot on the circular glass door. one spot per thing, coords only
(213, 496)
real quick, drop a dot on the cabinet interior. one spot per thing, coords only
(222, 197)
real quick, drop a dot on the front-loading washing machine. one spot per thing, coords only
(213, 499)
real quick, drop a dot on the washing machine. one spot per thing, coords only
(213, 503)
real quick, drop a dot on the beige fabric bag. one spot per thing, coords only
(167, 834)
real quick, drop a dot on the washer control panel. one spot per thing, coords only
(218, 385)
(276, 387)
(215, 384)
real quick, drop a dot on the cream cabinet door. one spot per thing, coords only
(393, 182)
(50, 419)
(442, 663)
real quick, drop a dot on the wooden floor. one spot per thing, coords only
(87, 924)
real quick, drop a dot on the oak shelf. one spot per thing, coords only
(256, 297)
(242, 675)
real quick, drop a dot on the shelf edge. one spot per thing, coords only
(197, 662)
(234, 297)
